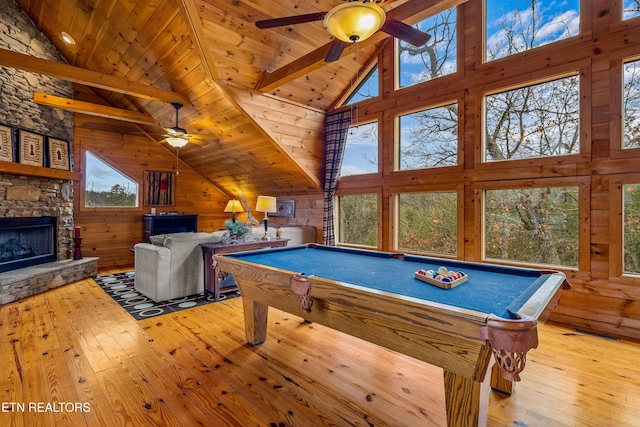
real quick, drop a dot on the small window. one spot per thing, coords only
(631, 105)
(534, 121)
(367, 89)
(631, 237)
(428, 138)
(361, 150)
(631, 9)
(427, 222)
(358, 220)
(438, 57)
(106, 187)
(532, 225)
(513, 27)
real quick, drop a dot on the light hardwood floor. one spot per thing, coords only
(74, 348)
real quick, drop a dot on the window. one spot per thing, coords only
(631, 236)
(428, 138)
(631, 105)
(532, 225)
(107, 187)
(516, 26)
(361, 150)
(358, 219)
(367, 89)
(534, 121)
(436, 58)
(631, 9)
(427, 222)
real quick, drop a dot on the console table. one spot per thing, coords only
(217, 282)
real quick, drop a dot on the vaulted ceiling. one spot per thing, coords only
(261, 93)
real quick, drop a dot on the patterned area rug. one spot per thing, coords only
(120, 287)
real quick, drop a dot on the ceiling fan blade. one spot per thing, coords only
(335, 51)
(405, 32)
(202, 136)
(290, 20)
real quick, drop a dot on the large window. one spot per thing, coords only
(358, 219)
(631, 105)
(429, 138)
(534, 121)
(436, 58)
(532, 225)
(361, 150)
(427, 222)
(105, 186)
(515, 26)
(631, 237)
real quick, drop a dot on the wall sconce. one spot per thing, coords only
(266, 204)
(234, 206)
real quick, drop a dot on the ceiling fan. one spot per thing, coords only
(351, 22)
(178, 137)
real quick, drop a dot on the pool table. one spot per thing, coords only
(375, 296)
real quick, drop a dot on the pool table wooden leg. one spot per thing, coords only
(255, 321)
(467, 400)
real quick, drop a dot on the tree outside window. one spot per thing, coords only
(631, 9)
(631, 105)
(427, 222)
(514, 26)
(533, 121)
(631, 237)
(436, 58)
(106, 187)
(358, 219)
(532, 225)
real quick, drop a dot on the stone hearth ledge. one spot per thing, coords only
(18, 284)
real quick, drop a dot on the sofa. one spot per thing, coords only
(172, 266)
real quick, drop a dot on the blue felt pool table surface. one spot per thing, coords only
(490, 289)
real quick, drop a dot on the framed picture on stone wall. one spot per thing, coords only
(58, 153)
(30, 148)
(6, 143)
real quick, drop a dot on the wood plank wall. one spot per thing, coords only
(111, 233)
(602, 298)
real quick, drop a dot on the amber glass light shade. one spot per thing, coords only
(353, 22)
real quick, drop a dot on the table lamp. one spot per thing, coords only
(266, 204)
(234, 206)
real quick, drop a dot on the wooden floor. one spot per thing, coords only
(73, 357)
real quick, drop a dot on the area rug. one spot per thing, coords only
(120, 287)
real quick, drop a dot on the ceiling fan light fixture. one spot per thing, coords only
(176, 141)
(355, 21)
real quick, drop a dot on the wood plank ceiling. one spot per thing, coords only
(262, 93)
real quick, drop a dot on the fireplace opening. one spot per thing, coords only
(25, 242)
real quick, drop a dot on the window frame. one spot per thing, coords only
(83, 186)
(372, 119)
(336, 215)
(584, 223)
(394, 194)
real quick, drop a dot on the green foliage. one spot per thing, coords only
(631, 197)
(117, 196)
(428, 223)
(532, 225)
(236, 229)
(359, 219)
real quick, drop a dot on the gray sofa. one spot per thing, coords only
(172, 265)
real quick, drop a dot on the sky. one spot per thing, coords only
(101, 176)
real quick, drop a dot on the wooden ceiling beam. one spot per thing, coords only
(92, 109)
(417, 10)
(191, 15)
(79, 75)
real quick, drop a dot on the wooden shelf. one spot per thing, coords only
(20, 169)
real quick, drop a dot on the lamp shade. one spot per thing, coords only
(266, 204)
(355, 21)
(177, 142)
(234, 206)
